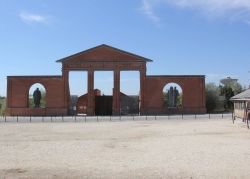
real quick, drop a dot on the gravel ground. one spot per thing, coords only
(192, 148)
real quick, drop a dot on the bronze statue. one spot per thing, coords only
(176, 95)
(37, 97)
(173, 94)
(171, 97)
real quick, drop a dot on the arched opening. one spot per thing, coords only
(172, 95)
(37, 96)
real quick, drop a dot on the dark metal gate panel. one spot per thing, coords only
(103, 105)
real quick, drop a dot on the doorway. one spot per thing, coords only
(103, 105)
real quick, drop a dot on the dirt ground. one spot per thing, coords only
(193, 148)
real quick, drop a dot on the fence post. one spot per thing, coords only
(222, 115)
(120, 117)
(17, 118)
(195, 116)
(75, 118)
(146, 117)
(209, 115)
(4, 118)
(133, 117)
(30, 118)
(182, 115)
(85, 119)
(233, 117)
(110, 118)
(155, 117)
(50, 118)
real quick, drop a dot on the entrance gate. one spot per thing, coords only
(105, 58)
(103, 105)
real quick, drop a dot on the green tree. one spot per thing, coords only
(212, 97)
(237, 88)
(228, 91)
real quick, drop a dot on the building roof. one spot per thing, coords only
(37, 76)
(244, 96)
(178, 76)
(103, 46)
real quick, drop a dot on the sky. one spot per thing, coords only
(182, 37)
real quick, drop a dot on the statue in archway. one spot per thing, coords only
(37, 97)
(173, 95)
(170, 97)
(176, 95)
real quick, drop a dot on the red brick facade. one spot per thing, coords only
(104, 57)
(82, 102)
(193, 89)
(18, 95)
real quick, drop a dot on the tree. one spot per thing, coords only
(237, 88)
(229, 90)
(212, 97)
(228, 93)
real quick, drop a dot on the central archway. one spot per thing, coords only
(103, 92)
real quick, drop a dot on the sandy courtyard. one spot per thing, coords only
(193, 148)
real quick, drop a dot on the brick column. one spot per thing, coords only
(142, 89)
(203, 93)
(9, 94)
(90, 106)
(66, 89)
(116, 93)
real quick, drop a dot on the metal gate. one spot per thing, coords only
(103, 105)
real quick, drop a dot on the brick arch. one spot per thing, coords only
(182, 83)
(165, 84)
(179, 83)
(18, 94)
(39, 82)
(159, 84)
(192, 88)
(32, 82)
(44, 85)
(182, 91)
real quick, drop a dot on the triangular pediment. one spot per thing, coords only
(103, 53)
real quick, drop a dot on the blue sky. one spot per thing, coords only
(207, 37)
